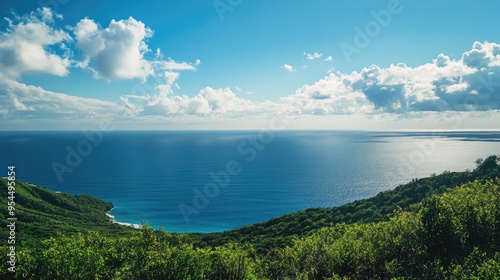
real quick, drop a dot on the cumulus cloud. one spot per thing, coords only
(288, 67)
(482, 55)
(456, 87)
(31, 44)
(471, 83)
(117, 51)
(208, 101)
(313, 56)
(441, 60)
(328, 96)
(170, 78)
(329, 58)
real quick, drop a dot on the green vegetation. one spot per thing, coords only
(441, 227)
(42, 213)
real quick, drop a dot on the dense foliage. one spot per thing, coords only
(436, 230)
(42, 213)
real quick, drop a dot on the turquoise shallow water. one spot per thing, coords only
(188, 181)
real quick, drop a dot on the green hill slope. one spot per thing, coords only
(42, 213)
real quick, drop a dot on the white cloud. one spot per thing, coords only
(329, 58)
(170, 64)
(482, 55)
(21, 101)
(159, 54)
(116, 52)
(457, 88)
(208, 101)
(441, 60)
(312, 56)
(470, 83)
(48, 15)
(88, 37)
(170, 78)
(288, 67)
(31, 45)
(328, 96)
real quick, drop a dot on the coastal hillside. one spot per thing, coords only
(42, 213)
(445, 226)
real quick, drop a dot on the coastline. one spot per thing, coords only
(112, 219)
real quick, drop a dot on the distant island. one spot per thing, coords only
(444, 226)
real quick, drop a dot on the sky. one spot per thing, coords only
(240, 64)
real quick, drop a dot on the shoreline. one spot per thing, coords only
(112, 220)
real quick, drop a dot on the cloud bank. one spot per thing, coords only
(21, 101)
(33, 45)
(470, 83)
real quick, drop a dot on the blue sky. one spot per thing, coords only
(236, 64)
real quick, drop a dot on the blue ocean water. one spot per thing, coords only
(164, 177)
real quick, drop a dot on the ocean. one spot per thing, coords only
(207, 181)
